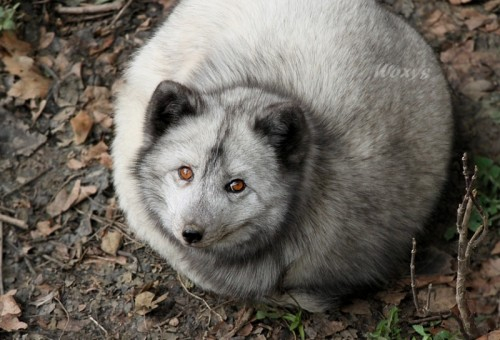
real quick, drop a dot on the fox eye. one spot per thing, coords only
(185, 173)
(236, 186)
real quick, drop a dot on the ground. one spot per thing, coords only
(71, 269)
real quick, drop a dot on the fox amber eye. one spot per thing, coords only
(236, 185)
(185, 173)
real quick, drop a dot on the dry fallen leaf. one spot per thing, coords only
(75, 164)
(82, 125)
(495, 335)
(359, 307)
(72, 325)
(111, 242)
(45, 228)
(9, 311)
(144, 302)
(477, 89)
(31, 83)
(391, 298)
(459, 2)
(64, 201)
(95, 152)
(491, 268)
(12, 45)
(334, 327)
(496, 249)
(55, 207)
(442, 298)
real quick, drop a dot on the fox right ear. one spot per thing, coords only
(169, 103)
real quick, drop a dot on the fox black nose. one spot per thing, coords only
(191, 235)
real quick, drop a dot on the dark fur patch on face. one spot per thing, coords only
(169, 103)
(286, 129)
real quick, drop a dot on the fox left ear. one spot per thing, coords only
(169, 103)
(286, 129)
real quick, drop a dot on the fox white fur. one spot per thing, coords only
(336, 116)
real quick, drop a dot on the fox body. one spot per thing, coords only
(282, 150)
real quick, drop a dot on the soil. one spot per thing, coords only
(71, 268)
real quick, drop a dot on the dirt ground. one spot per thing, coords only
(70, 267)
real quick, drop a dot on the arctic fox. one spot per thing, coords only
(284, 150)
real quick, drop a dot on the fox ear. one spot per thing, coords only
(169, 103)
(286, 130)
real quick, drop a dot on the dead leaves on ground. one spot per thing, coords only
(145, 302)
(9, 313)
(64, 200)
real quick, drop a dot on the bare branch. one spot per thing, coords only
(13, 221)
(90, 9)
(412, 275)
(466, 246)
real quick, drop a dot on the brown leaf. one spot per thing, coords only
(11, 323)
(103, 45)
(95, 152)
(477, 89)
(55, 207)
(86, 192)
(491, 268)
(82, 125)
(359, 307)
(442, 298)
(45, 228)
(106, 160)
(111, 242)
(495, 335)
(424, 280)
(479, 20)
(14, 46)
(73, 196)
(31, 84)
(64, 202)
(459, 2)
(391, 298)
(491, 5)
(245, 330)
(46, 39)
(334, 327)
(75, 164)
(72, 325)
(9, 311)
(496, 249)
(144, 303)
(440, 23)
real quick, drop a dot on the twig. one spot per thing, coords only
(67, 316)
(431, 318)
(428, 302)
(240, 322)
(198, 298)
(14, 221)
(30, 266)
(90, 9)
(466, 246)
(53, 260)
(31, 180)
(164, 322)
(91, 17)
(412, 275)
(5, 209)
(115, 19)
(482, 230)
(98, 325)
(1, 258)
